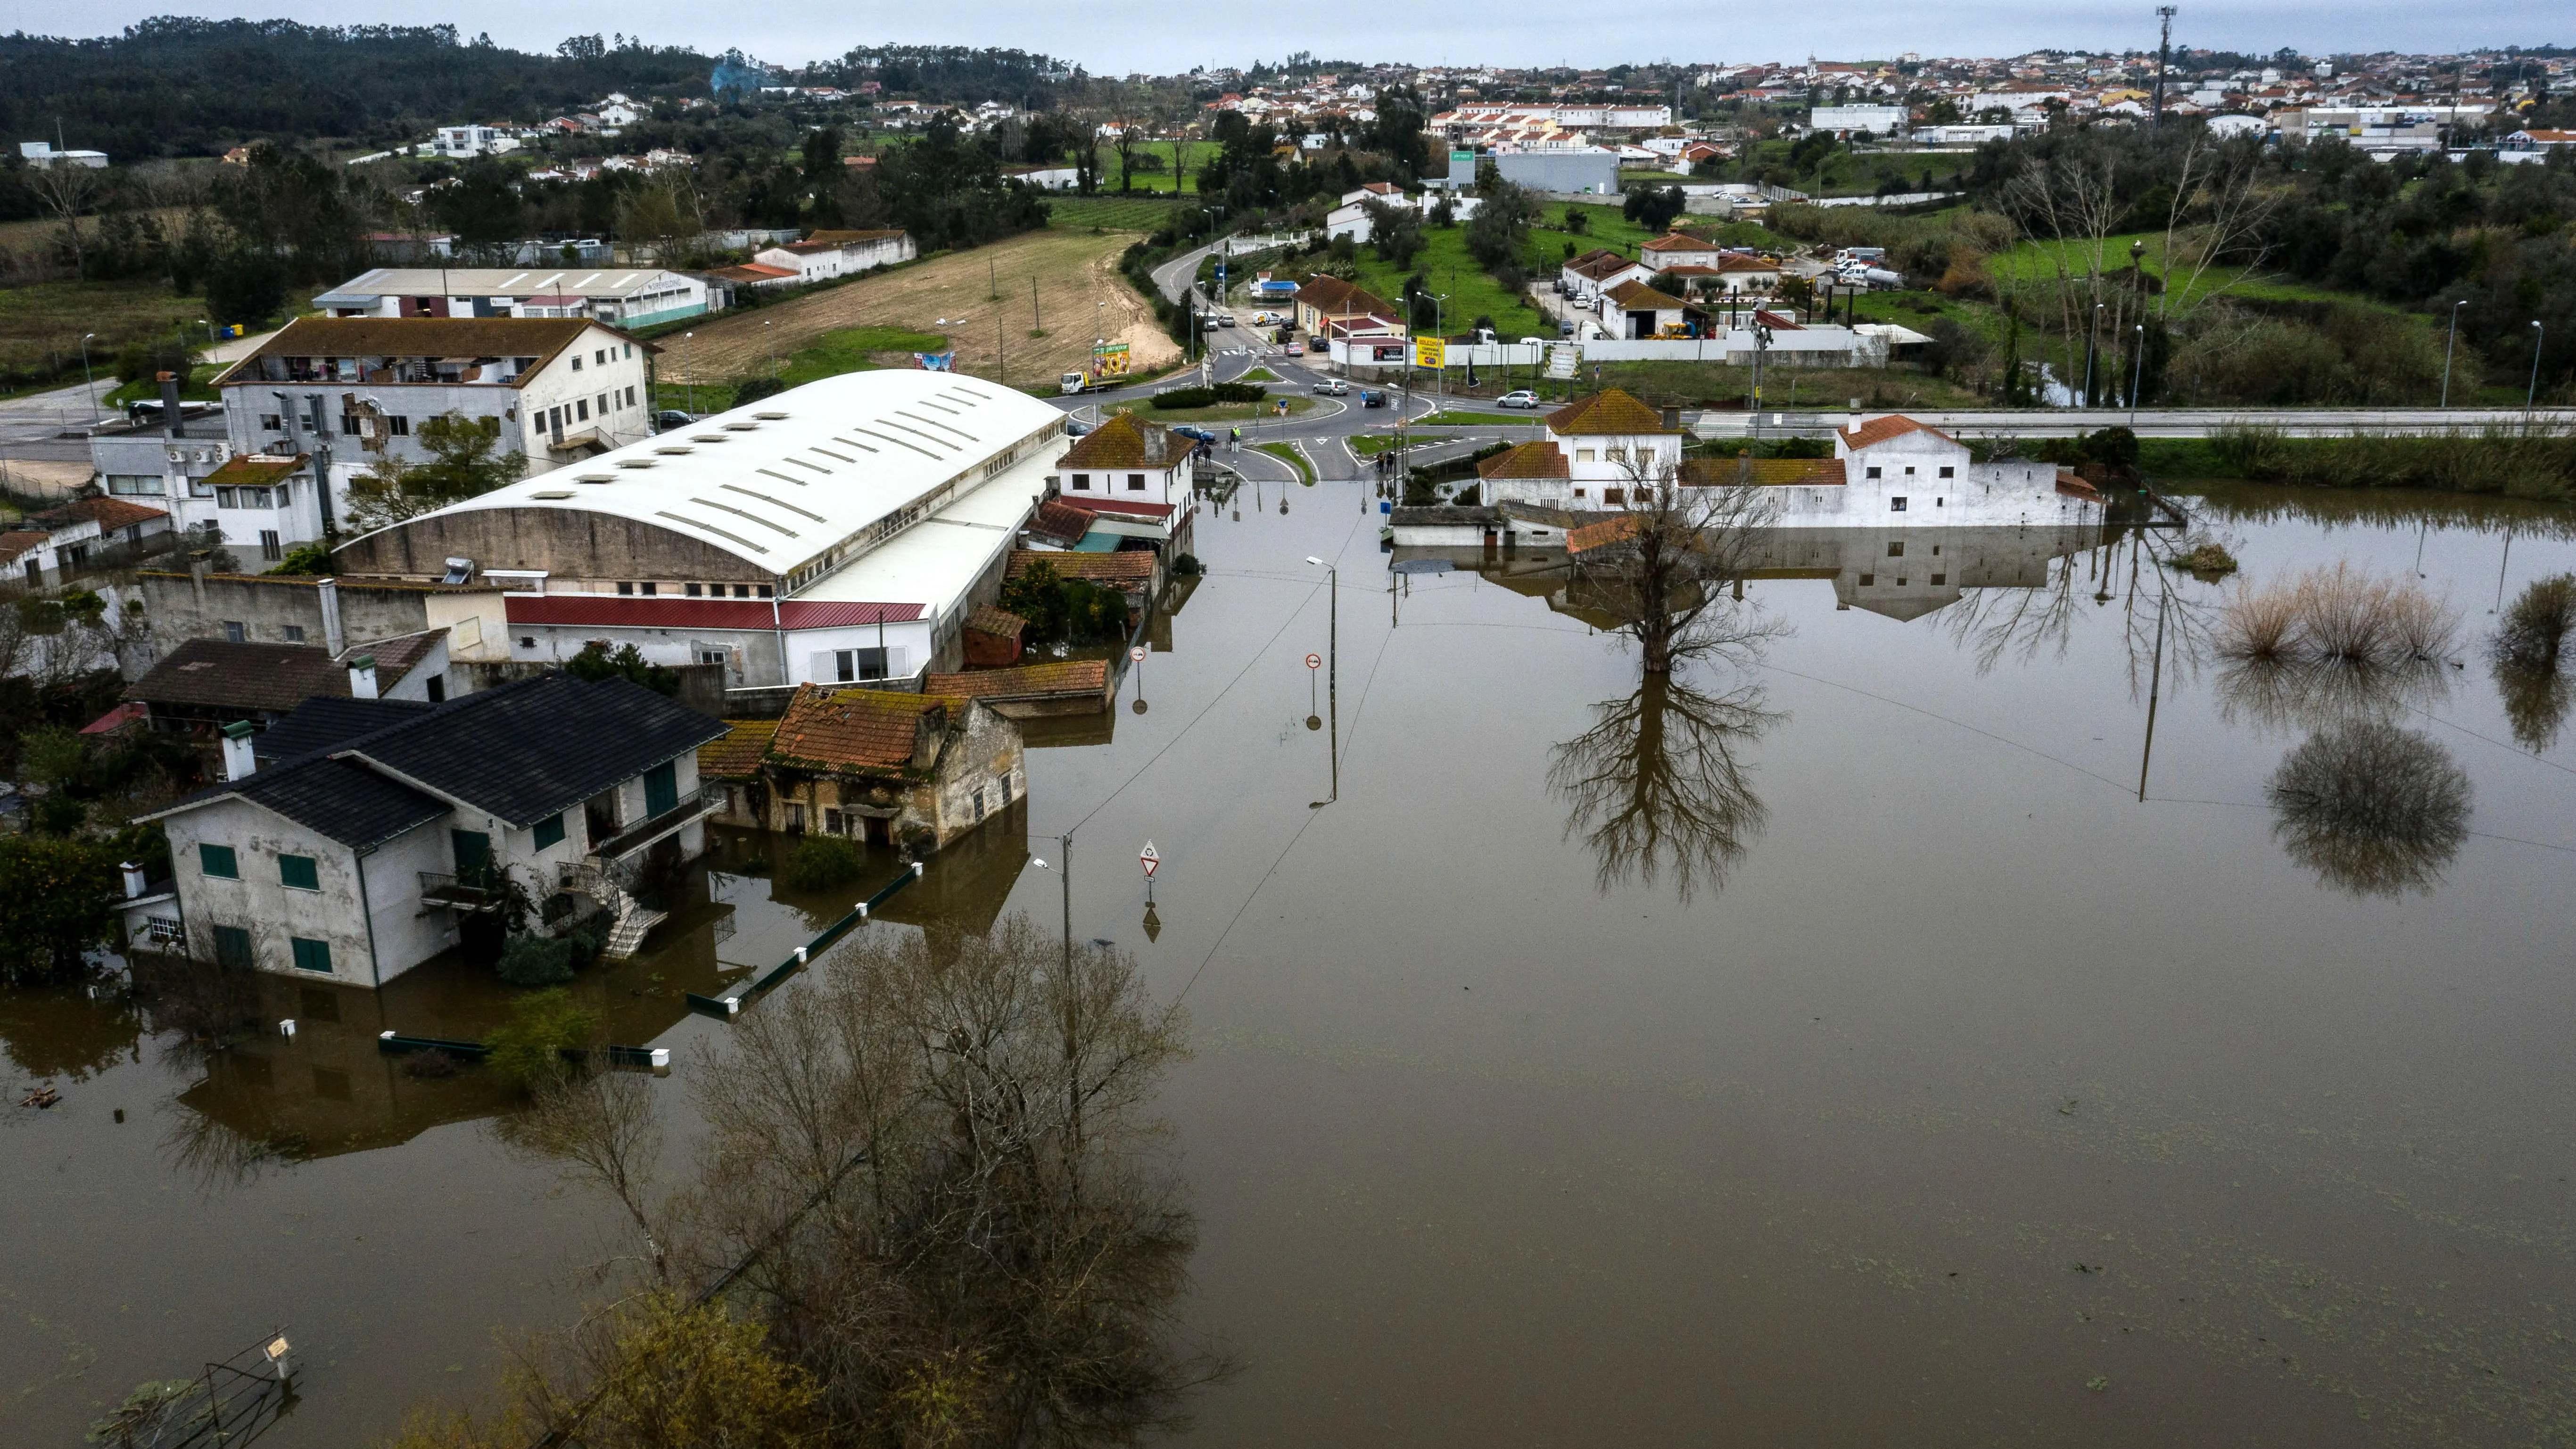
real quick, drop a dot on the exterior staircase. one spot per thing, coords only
(633, 922)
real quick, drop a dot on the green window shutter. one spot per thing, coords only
(232, 947)
(312, 955)
(661, 789)
(550, 831)
(299, 871)
(218, 860)
(473, 856)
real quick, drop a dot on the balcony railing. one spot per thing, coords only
(473, 891)
(709, 799)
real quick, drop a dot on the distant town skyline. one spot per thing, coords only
(1116, 37)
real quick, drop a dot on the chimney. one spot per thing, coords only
(133, 880)
(170, 404)
(362, 677)
(1853, 426)
(1672, 419)
(239, 762)
(328, 590)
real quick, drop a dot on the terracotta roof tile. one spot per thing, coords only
(19, 540)
(110, 514)
(1541, 459)
(1607, 411)
(1880, 430)
(1127, 441)
(1764, 472)
(540, 337)
(990, 619)
(853, 729)
(1638, 295)
(1679, 242)
(1131, 566)
(1059, 519)
(737, 756)
(1071, 676)
(1603, 534)
(255, 468)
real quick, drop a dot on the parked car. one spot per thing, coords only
(1075, 427)
(1521, 399)
(1333, 387)
(1193, 430)
(1564, 329)
(1294, 349)
(670, 418)
(1225, 319)
(1372, 399)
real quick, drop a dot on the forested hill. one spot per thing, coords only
(181, 86)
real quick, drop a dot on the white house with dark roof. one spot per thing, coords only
(839, 531)
(626, 297)
(358, 858)
(828, 254)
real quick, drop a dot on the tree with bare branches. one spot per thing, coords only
(1664, 567)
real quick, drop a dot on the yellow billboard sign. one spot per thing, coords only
(1430, 352)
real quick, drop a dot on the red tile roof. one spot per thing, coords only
(1127, 441)
(1541, 459)
(2074, 486)
(737, 755)
(22, 540)
(1025, 681)
(1638, 296)
(1880, 430)
(1603, 534)
(663, 612)
(999, 622)
(870, 730)
(1764, 472)
(1678, 242)
(1132, 566)
(1607, 411)
(110, 514)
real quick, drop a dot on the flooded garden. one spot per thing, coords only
(2039, 993)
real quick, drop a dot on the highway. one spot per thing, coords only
(2148, 422)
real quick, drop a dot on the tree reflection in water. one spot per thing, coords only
(1656, 786)
(2536, 702)
(2370, 807)
(2293, 694)
(930, 1171)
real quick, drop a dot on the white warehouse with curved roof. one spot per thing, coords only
(839, 530)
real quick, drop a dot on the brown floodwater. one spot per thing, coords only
(1838, 1050)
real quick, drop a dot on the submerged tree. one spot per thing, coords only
(2372, 808)
(1665, 567)
(1657, 787)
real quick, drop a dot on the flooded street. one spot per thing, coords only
(1834, 1051)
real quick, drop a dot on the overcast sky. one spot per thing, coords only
(1119, 36)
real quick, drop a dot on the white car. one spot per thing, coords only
(1522, 399)
(1333, 387)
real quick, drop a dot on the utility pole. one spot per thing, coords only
(2164, 52)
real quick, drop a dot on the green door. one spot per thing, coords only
(661, 790)
(473, 856)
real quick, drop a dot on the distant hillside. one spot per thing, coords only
(181, 86)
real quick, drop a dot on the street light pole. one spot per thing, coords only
(89, 384)
(1333, 664)
(2449, 347)
(691, 369)
(2137, 372)
(2092, 339)
(2529, 392)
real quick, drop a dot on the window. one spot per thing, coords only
(714, 656)
(218, 861)
(299, 872)
(1578, 492)
(399, 427)
(550, 831)
(1583, 455)
(1896, 505)
(1939, 579)
(1872, 473)
(272, 423)
(600, 357)
(630, 397)
(625, 587)
(436, 688)
(576, 362)
(235, 632)
(1868, 579)
(1938, 502)
(527, 641)
(603, 403)
(294, 633)
(693, 591)
(743, 591)
(473, 852)
(129, 484)
(232, 947)
(1909, 472)
(582, 405)
(314, 956)
(979, 804)
(852, 665)
(1082, 481)
(269, 546)
(661, 789)
(651, 588)
(764, 591)
(1614, 455)
(1614, 495)
(1948, 472)
(1896, 550)
(1135, 482)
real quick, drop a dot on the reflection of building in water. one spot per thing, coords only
(1902, 573)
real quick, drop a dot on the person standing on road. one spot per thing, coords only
(1235, 437)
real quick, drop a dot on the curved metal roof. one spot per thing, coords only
(797, 483)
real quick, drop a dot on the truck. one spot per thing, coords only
(1079, 382)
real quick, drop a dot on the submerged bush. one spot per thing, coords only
(543, 1025)
(820, 862)
(532, 960)
(2337, 613)
(2536, 626)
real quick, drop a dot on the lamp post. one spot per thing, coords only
(2137, 372)
(772, 338)
(1332, 671)
(2532, 390)
(2449, 347)
(2092, 338)
(1439, 329)
(1063, 872)
(89, 384)
(687, 367)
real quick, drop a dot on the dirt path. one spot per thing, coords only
(1080, 295)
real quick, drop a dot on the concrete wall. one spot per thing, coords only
(274, 913)
(190, 606)
(582, 550)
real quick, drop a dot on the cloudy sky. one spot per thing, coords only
(1117, 36)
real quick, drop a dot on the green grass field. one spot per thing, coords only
(1148, 178)
(857, 349)
(1110, 212)
(2036, 261)
(1448, 271)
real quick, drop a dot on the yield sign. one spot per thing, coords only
(1151, 859)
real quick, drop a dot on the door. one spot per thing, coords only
(879, 831)
(661, 790)
(473, 856)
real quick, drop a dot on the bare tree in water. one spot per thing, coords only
(931, 1178)
(1666, 567)
(1657, 787)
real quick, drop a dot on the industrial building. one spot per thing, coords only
(619, 297)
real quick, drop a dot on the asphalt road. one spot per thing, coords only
(31, 427)
(2148, 422)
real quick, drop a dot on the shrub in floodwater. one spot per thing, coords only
(820, 862)
(2536, 626)
(2209, 562)
(2337, 612)
(2371, 807)
(543, 1025)
(531, 960)
(2287, 693)
(2536, 702)
(431, 1065)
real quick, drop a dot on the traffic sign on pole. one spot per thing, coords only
(1314, 661)
(1151, 859)
(1137, 654)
